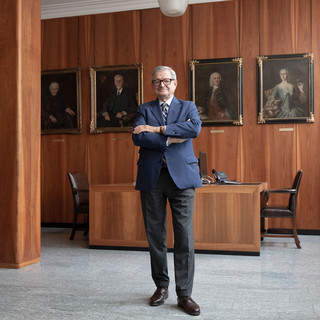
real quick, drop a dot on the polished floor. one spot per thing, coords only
(74, 282)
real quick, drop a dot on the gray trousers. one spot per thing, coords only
(154, 208)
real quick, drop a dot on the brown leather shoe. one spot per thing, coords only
(189, 306)
(159, 296)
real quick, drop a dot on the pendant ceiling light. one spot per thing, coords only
(173, 8)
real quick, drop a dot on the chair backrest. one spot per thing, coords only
(80, 188)
(293, 197)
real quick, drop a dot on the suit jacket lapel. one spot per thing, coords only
(173, 110)
(155, 109)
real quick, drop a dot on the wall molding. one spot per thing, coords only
(58, 9)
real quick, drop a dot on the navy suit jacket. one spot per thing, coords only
(182, 122)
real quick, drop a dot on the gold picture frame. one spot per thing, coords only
(216, 89)
(116, 92)
(61, 101)
(285, 88)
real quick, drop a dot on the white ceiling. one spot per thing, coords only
(68, 8)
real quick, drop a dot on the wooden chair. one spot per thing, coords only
(80, 191)
(283, 212)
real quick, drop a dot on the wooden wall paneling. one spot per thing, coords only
(253, 161)
(86, 58)
(308, 134)
(215, 30)
(63, 152)
(112, 158)
(280, 153)
(117, 38)
(60, 154)
(223, 148)
(277, 27)
(307, 138)
(221, 40)
(8, 138)
(60, 43)
(303, 29)
(165, 41)
(277, 36)
(28, 232)
(117, 42)
(20, 133)
(244, 28)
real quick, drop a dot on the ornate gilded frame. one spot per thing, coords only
(221, 105)
(102, 88)
(56, 117)
(285, 88)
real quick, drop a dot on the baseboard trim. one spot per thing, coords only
(306, 232)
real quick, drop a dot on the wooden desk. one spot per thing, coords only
(226, 218)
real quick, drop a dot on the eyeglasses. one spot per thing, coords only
(166, 82)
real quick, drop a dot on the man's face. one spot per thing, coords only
(118, 82)
(54, 88)
(216, 78)
(162, 91)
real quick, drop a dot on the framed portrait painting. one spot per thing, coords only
(116, 92)
(60, 101)
(285, 88)
(216, 89)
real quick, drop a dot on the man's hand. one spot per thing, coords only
(146, 128)
(119, 115)
(70, 111)
(106, 116)
(52, 118)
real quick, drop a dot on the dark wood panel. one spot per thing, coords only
(8, 136)
(86, 58)
(215, 30)
(308, 145)
(112, 158)
(223, 148)
(165, 41)
(220, 40)
(277, 27)
(253, 161)
(29, 134)
(60, 154)
(303, 19)
(20, 133)
(60, 43)
(117, 38)
(226, 218)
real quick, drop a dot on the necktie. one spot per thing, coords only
(165, 110)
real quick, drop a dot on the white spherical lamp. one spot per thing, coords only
(173, 8)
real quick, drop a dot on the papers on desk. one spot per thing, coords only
(230, 182)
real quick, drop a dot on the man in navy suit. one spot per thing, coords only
(120, 107)
(168, 170)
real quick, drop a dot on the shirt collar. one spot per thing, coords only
(168, 102)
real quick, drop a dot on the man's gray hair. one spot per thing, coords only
(118, 76)
(164, 68)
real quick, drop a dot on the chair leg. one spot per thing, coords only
(295, 234)
(74, 226)
(86, 231)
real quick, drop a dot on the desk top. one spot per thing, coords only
(126, 187)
